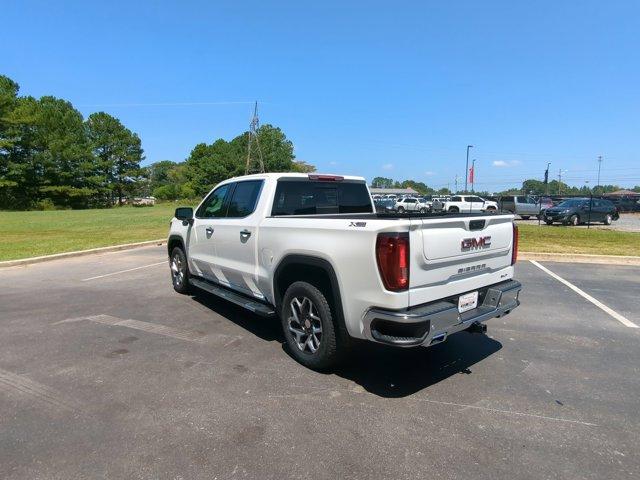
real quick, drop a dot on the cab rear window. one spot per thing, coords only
(308, 197)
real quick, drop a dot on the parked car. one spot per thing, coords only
(522, 205)
(311, 250)
(545, 202)
(469, 204)
(384, 205)
(408, 204)
(581, 210)
(626, 204)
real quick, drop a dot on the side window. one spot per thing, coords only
(456, 199)
(522, 200)
(244, 198)
(213, 206)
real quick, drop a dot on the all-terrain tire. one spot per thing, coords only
(179, 271)
(312, 311)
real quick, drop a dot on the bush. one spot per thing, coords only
(45, 204)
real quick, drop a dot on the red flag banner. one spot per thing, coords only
(471, 175)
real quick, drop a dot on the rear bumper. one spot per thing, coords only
(431, 323)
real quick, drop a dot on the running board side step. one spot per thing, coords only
(254, 306)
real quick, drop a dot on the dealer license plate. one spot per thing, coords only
(468, 301)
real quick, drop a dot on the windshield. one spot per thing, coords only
(571, 203)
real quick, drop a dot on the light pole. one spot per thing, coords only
(466, 169)
(599, 164)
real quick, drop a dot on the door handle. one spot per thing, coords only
(244, 234)
(209, 231)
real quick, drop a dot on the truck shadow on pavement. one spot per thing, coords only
(398, 372)
(384, 371)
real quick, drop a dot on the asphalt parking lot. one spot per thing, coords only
(105, 372)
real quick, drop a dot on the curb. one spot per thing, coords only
(580, 258)
(79, 253)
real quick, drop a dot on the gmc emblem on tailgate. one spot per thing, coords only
(476, 243)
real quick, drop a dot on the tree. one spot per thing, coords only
(208, 165)
(118, 152)
(382, 182)
(419, 187)
(301, 166)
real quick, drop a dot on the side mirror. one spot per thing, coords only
(184, 213)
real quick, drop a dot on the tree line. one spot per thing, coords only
(529, 187)
(51, 157)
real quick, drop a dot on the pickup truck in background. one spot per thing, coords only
(469, 204)
(312, 250)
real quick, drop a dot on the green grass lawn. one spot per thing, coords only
(29, 234)
(562, 239)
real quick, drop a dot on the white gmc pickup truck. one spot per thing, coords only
(312, 250)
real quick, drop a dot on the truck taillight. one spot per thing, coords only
(392, 253)
(514, 252)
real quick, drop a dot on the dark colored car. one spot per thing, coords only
(581, 210)
(385, 205)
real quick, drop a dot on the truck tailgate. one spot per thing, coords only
(453, 255)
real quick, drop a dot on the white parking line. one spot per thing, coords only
(124, 271)
(623, 320)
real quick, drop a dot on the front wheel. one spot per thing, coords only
(423, 210)
(549, 222)
(525, 217)
(608, 219)
(309, 327)
(400, 209)
(573, 221)
(454, 209)
(179, 271)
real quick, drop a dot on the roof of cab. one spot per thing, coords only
(293, 174)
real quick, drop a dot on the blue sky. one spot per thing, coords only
(372, 88)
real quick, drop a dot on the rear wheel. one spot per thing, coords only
(400, 209)
(574, 220)
(454, 209)
(608, 219)
(309, 327)
(179, 271)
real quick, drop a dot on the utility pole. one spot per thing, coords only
(559, 180)
(599, 164)
(456, 184)
(466, 169)
(253, 138)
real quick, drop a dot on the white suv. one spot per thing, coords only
(469, 204)
(411, 205)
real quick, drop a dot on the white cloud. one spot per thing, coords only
(387, 166)
(429, 173)
(506, 164)
(333, 163)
